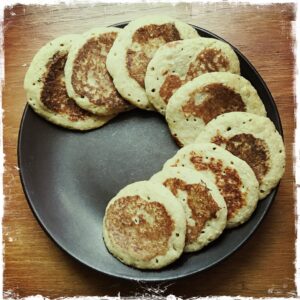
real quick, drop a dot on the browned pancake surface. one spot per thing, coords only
(145, 41)
(139, 227)
(250, 149)
(54, 95)
(202, 205)
(208, 60)
(218, 100)
(227, 180)
(90, 77)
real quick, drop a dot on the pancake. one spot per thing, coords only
(144, 226)
(178, 62)
(253, 139)
(45, 88)
(133, 49)
(87, 79)
(234, 178)
(204, 98)
(205, 208)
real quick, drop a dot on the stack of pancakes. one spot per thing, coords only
(232, 155)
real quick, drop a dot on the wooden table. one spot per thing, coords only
(264, 266)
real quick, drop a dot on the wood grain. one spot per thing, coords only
(264, 266)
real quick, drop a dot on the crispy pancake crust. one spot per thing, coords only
(235, 179)
(205, 208)
(197, 102)
(178, 62)
(46, 90)
(144, 226)
(87, 79)
(253, 139)
(133, 49)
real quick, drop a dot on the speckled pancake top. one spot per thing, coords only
(206, 97)
(88, 80)
(227, 180)
(248, 148)
(200, 201)
(134, 48)
(253, 139)
(140, 228)
(54, 95)
(232, 176)
(208, 60)
(145, 42)
(217, 99)
(176, 63)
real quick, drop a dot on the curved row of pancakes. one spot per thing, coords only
(82, 81)
(219, 179)
(68, 82)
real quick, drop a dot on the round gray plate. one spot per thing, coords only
(68, 178)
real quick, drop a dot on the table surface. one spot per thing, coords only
(263, 267)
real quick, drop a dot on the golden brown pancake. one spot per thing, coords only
(253, 139)
(87, 79)
(205, 208)
(144, 226)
